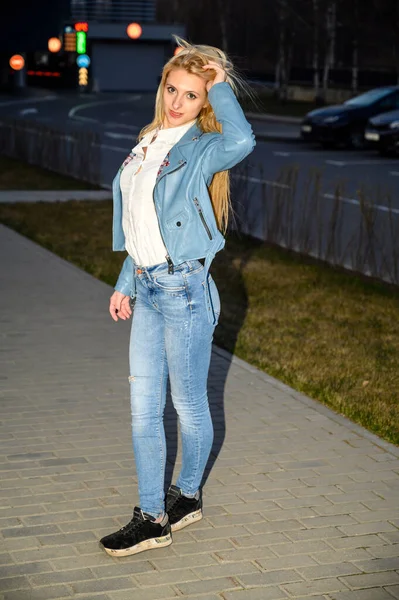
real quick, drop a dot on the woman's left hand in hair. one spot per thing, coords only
(221, 74)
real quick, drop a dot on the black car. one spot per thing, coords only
(382, 132)
(346, 123)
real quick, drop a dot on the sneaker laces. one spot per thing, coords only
(135, 523)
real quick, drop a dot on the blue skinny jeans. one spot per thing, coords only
(171, 336)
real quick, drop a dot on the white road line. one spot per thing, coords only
(118, 136)
(28, 111)
(28, 101)
(352, 201)
(360, 163)
(72, 113)
(114, 148)
(355, 202)
(132, 127)
(394, 173)
(282, 153)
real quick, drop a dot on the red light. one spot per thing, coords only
(44, 73)
(82, 27)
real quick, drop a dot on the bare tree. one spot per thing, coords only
(331, 31)
(315, 59)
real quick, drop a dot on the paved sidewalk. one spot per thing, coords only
(299, 503)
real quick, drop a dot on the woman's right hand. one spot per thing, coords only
(119, 306)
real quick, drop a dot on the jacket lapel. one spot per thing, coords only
(180, 152)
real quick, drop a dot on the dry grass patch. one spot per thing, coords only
(330, 334)
(15, 175)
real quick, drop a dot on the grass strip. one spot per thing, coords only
(15, 175)
(329, 334)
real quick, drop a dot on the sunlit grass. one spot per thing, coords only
(332, 335)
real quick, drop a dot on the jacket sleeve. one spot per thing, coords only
(236, 140)
(125, 279)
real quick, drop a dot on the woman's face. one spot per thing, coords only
(184, 96)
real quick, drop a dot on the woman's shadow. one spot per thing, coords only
(227, 271)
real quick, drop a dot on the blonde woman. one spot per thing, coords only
(171, 206)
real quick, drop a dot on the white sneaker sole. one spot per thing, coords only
(150, 544)
(187, 520)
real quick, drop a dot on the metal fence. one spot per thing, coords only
(76, 153)
(115, 11)
(295, 212)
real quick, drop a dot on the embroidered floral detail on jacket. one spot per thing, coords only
(164, 163)
(127, 160)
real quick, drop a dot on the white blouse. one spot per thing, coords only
(139, 220)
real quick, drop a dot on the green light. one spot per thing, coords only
(81, 42)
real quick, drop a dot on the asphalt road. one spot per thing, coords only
(119, 117)
(332, 228)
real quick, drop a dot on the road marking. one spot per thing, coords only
(282, 153)
(394, 173)
(114, 148)
(352, 201)
(355, 202)
(122, 125)
(28, 100)
(28, 111)
(117, 136)
(336, 163)
(72, 113)
(345, 163)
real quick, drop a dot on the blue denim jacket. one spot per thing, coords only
(182, 203)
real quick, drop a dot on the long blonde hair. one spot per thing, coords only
(192, 58)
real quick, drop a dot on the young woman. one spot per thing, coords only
(171, 204)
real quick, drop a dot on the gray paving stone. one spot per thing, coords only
(103, 585)
(225, 570)
(393, 590)
(329, 570)
(384, 551)
(371, 580)
(54, 592)
(311, 588)
(269, 593)
(296, 491)
(222, 584)
(370, 594)
(379, 564)
(159, 593)
(270, 578)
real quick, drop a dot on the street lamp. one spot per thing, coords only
(134, 31)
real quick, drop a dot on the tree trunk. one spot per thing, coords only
(223, 19)
(315, 61)
(281, 67)
(355, 47)
(329, 60)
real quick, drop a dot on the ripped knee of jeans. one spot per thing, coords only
(131, 378)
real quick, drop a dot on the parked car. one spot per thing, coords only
(382, 132)
(345, 123)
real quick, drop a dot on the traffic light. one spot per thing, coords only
(81, 42)
(70, 41)
(83, 76)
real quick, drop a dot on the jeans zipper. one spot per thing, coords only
(201, 214)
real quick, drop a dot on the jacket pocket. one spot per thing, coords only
(179, 221)
(201, 216)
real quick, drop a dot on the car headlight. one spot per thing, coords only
(394, 125)
(331, 119)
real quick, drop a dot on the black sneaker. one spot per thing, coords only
(182, 511)
(138, 535)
